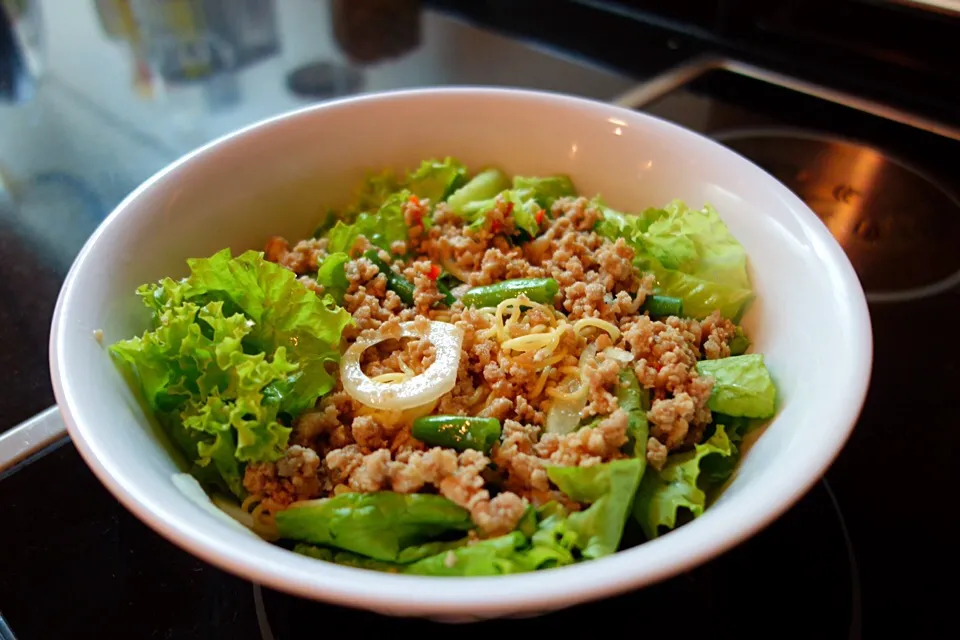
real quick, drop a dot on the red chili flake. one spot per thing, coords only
(496, 227)
(413, 199)
(539, 216)
(508, 209)
(417, 215)
(434, 272)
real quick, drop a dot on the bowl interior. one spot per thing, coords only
(809, 320)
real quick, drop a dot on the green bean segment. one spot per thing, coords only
(663, 306)
(536, 289)
(395, 282)
(457, 432)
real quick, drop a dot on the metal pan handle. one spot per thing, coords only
(30, 438)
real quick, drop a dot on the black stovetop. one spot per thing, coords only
(849, 559)
(890, 479)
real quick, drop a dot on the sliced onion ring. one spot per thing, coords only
(439, 378)
(618, 354)
(563, 416)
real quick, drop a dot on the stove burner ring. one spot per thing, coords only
(898, 227)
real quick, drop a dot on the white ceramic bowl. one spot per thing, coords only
(810, 319)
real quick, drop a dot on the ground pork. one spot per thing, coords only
(656, 453)
(423, 274)
(295, 476)
(415, 211)
(596, 277)
(397, 354)
(586, 446)
(357, 449)
(305, 256)
(666, 354)
(327, 425)
(600, 381)
(465, 487)
(716, 332)
(457, 477)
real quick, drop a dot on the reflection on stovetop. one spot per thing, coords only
(880, 186)
(882, 212)
(885, 191)
(137, 585)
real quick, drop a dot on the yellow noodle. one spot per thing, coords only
(541, 382)
(554, 359)
(570, 370)
(490, 398)
(511, 304)
(532, 342)
(478, 395)
(406, 368)
(391, 377)
(609, 327)
(555, 393)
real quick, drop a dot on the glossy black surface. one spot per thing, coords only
(885, 49)
(910, 417)
(882, 187)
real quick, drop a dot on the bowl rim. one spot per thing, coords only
(661, 558)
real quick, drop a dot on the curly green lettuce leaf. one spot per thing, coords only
(554, 544)
(692, 254)
(481, 188)
(214, 453)
(697, 243)
(615, 224)
(524, 209)
(437, 179)
(525, 212)
(677, 486)
(540, 541)
(635, 400)
(373, 191)
(284, 313)
(234, 348)
(493, 556)
(510, 553)
(545, 191)
(155, 358)
(381, 227)
(716, 470)
(406, 556)
(332, 275)
(742, 386)
(346, 558)
(609, 489)
(701, 297)
(196, 377)
(377, 525)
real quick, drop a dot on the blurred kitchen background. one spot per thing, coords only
(99, 94)
(95, 95)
